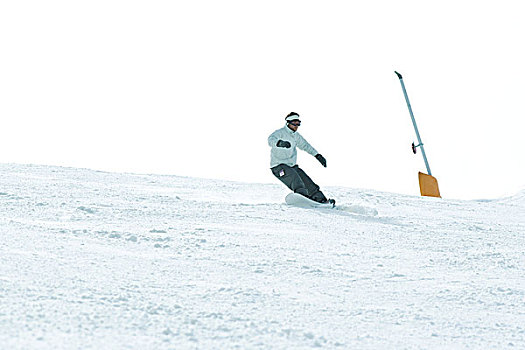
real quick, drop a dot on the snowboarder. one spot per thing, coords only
(284, 157)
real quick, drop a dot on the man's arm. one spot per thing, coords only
(302, 144)
(273, 138)
(305, 146)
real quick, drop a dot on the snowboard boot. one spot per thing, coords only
(329, 201)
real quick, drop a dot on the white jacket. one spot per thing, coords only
(288, 156)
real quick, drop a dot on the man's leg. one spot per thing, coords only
(313, 190)
(290, 177)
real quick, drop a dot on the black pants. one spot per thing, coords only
(296, 179)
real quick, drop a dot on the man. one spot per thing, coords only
(284, 157)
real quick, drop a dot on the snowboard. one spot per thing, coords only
(301, 201)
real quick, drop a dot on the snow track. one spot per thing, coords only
(111, 261)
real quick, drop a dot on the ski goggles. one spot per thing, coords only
(295, 122)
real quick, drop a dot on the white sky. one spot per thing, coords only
(194, 88)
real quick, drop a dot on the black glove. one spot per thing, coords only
(284, 144)
(321, 159)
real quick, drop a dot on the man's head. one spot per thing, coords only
(293, 121)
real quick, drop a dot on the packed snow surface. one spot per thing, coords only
(95, 260)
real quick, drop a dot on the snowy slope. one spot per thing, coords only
(98, 260)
